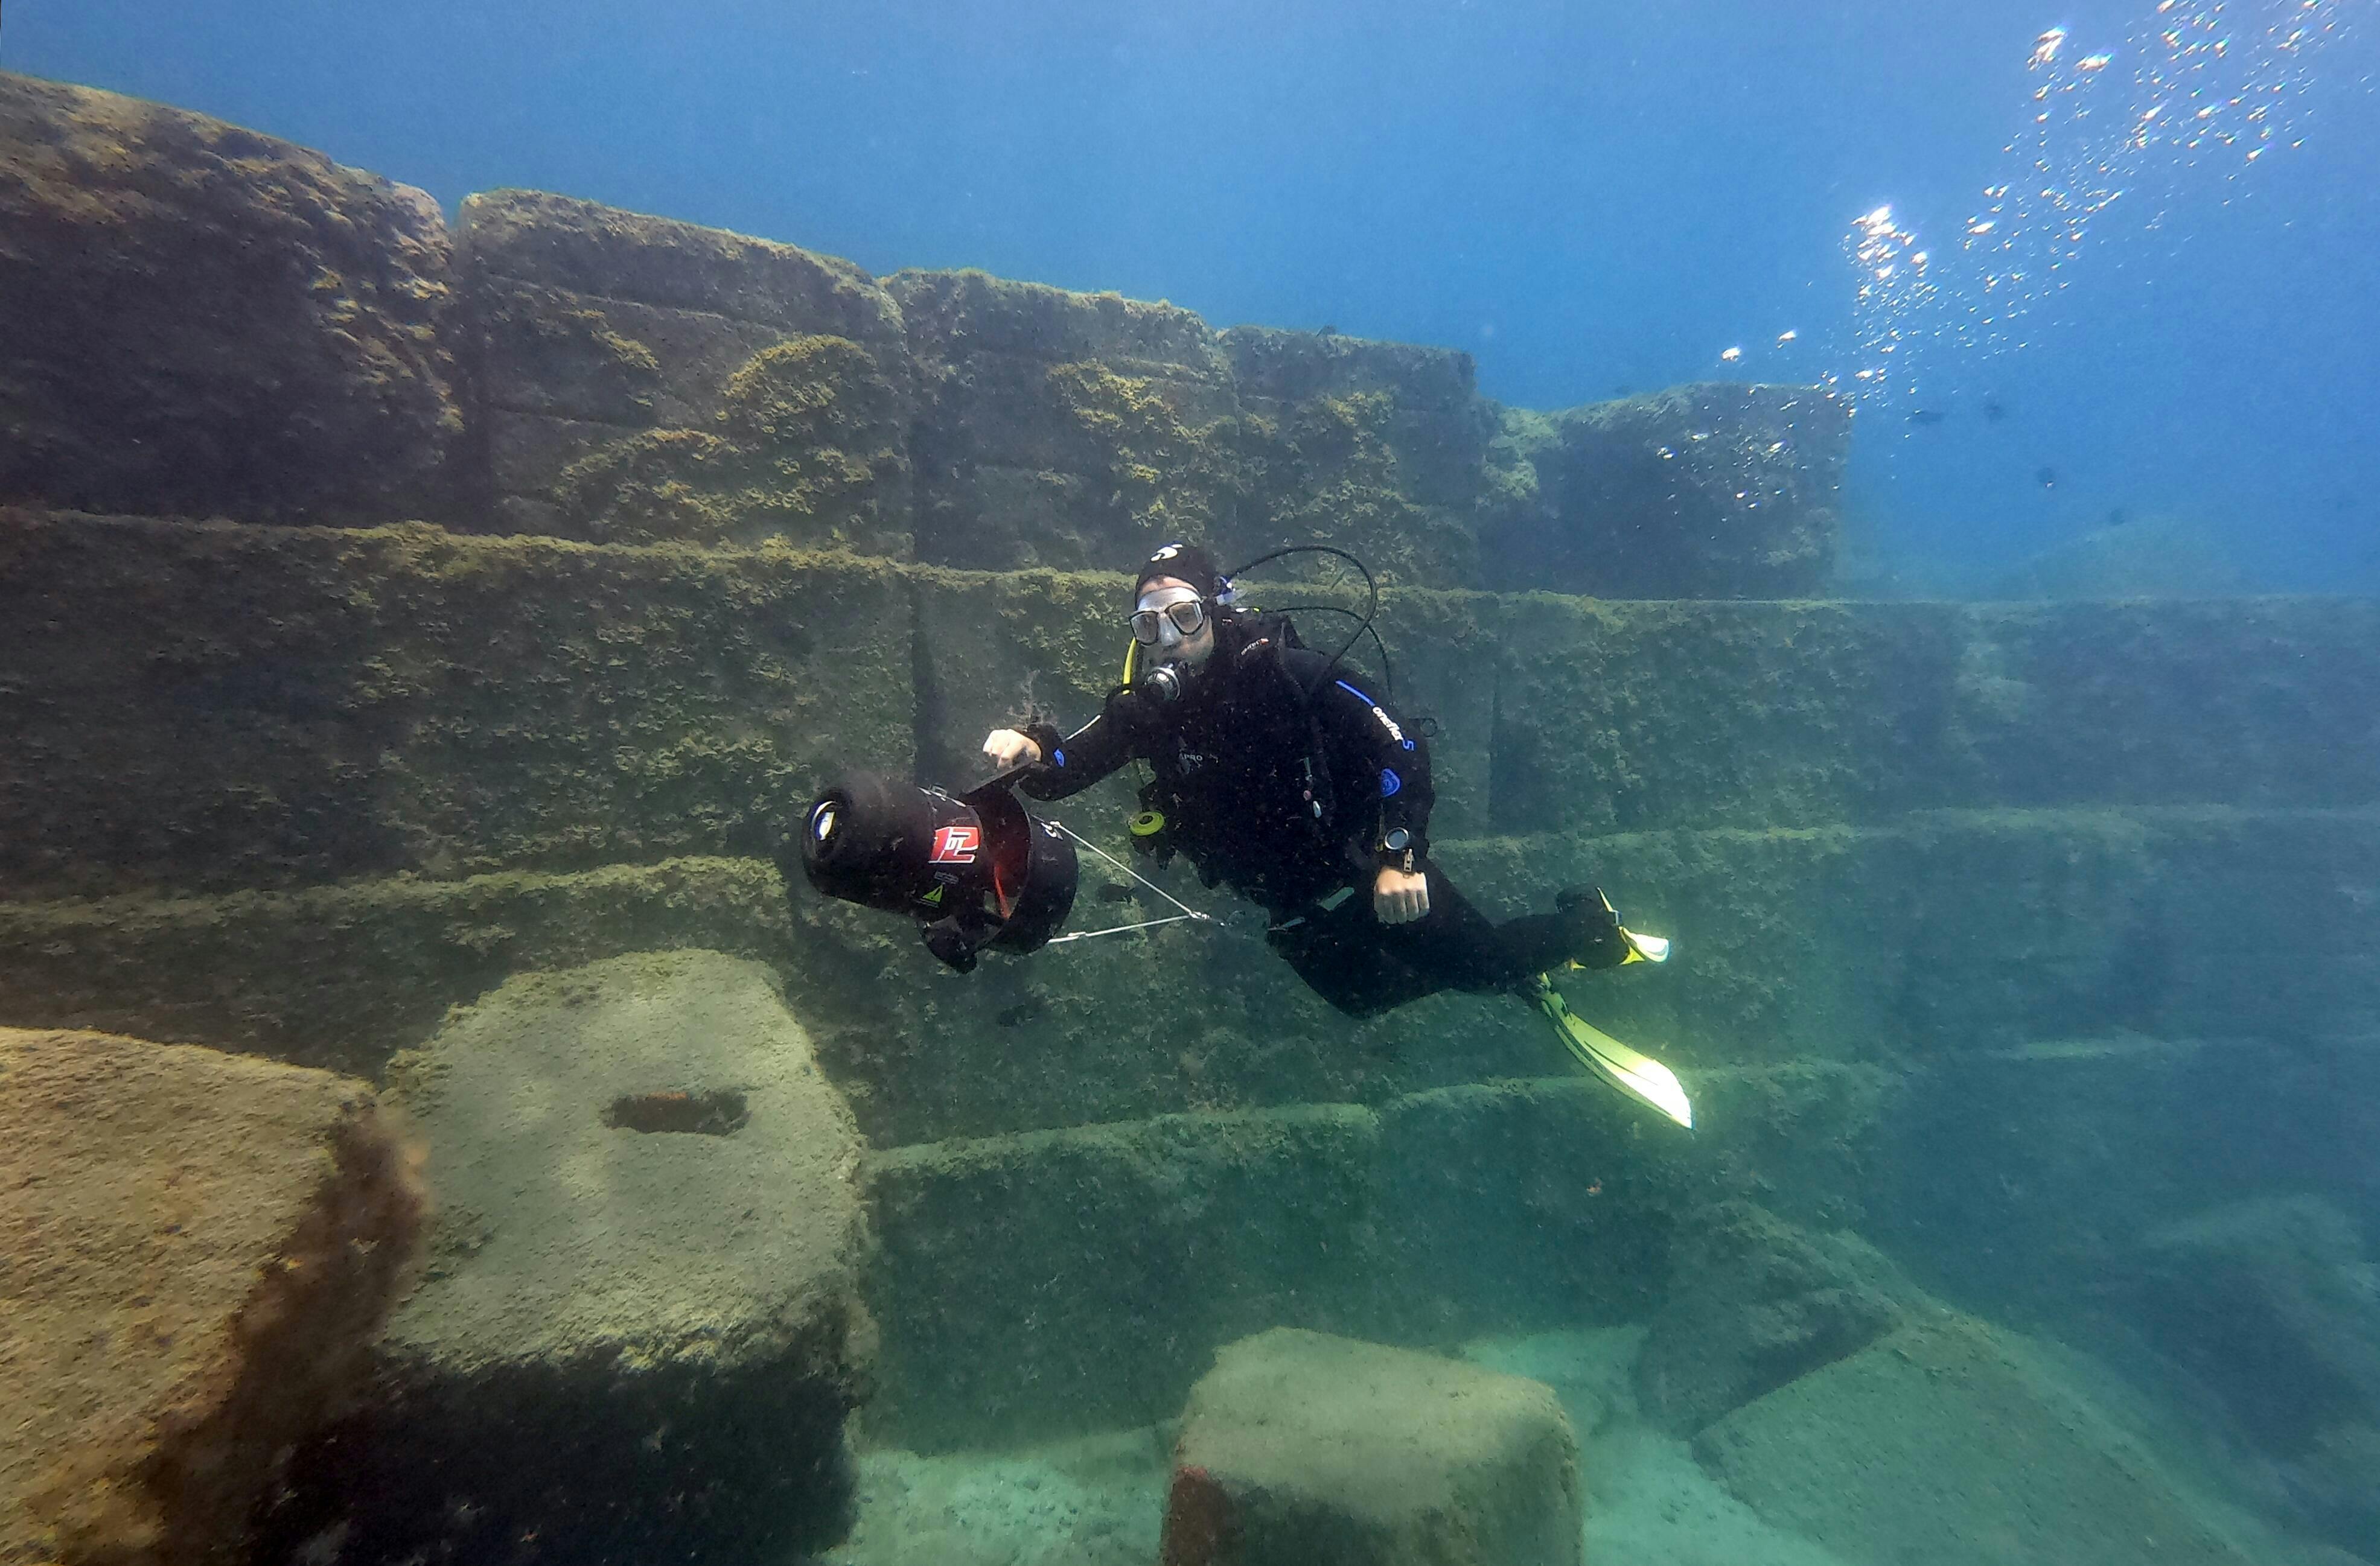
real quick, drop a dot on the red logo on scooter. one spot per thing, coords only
(956, 846)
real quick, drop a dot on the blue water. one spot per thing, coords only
(1586, 197)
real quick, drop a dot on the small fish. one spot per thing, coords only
(2045, 477)
(1927, 416)
(1115, 891)
(1623, 390)
(1023, 1012)
(2118, 517)
(1993, 411)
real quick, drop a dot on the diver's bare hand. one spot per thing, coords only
(1400, 896)
(1005, 748)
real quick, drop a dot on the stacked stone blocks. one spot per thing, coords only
(655, 529)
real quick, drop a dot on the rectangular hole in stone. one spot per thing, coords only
(719, 1113)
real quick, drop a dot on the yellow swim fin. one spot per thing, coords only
(1639, 1076)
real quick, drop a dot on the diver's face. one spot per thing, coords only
(1172, 645)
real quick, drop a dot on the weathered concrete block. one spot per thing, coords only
(1706, 490)
(195, 1251)
(644, 1282)
(1943, 1440)
(1302, 1450)
(651, 380)
(198, 320)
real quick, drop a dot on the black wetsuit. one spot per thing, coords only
(1279, 776)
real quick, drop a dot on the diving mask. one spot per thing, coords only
(1184, 616)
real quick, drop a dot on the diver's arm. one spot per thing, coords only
(1368, 742)
(1071, 763)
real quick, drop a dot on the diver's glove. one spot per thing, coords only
(1597, 939)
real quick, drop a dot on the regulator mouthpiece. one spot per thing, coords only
(1165, 683)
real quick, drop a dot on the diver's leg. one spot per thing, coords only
(1340, 955)
(1364, 967)
(1458, 947)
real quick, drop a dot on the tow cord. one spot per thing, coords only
(1187, 912)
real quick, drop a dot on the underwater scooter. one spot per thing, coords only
(974, 869)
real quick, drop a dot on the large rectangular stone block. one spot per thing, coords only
(1121, 411)
(1378, 448)
(195, 1252)
(586, 248)
(643, 379)
(198, 319)
(213, 706)
(1626, 716)
(1300, 1448)
(1706, 490)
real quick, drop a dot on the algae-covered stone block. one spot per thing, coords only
(1375, 447)
(2264, 702)
(1705, 490)
(1942, 1441)
(198, 320)
(195, 1251)
(1072, 431)
(222, 706)
(645, 379)
(1302, 1449)
(644, 1282)
(1630, 716)
(808, 445)
(1002, 649)
(605, 252)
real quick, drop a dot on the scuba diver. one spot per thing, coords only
(1279, 776)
